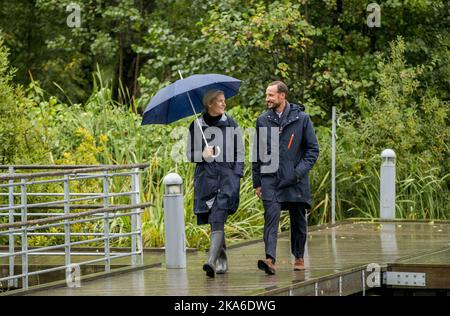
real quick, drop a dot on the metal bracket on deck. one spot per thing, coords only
(404, 278)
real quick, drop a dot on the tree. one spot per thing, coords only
(20, 140)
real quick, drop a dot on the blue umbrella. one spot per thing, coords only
(184, 98)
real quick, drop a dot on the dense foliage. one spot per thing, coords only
(73, 95)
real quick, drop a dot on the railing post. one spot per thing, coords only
(11, 283)
(387, 185)
(136, 226)
(23, 189)
(174, 221)
(106, 221)
(333, 165)
(67, 226)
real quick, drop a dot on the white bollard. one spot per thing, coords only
(174, 222)
(387, 185)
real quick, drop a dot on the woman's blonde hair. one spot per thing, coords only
(210, 96)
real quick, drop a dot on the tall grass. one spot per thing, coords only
(422, 195)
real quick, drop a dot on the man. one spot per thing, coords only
(288, 186)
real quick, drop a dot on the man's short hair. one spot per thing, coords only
(281, 87)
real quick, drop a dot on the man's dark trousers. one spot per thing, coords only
(299, 227)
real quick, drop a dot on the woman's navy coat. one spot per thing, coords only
(218, 179)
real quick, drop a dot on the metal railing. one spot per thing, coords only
(61, 214)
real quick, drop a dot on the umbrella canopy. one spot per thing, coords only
(184, 97)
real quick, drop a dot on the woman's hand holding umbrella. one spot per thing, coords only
(208, 152)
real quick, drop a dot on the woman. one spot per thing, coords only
(217, 174)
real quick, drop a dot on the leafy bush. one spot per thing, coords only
(20, 139)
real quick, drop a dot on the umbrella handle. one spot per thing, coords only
(218, 152)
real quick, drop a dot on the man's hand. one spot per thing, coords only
(258, 192)
(208, 152)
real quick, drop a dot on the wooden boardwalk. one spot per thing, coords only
(336, 262)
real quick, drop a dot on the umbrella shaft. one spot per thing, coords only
(195, 113)
(196, 118)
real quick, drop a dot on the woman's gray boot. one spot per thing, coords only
(222, 261)
(214, 252)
